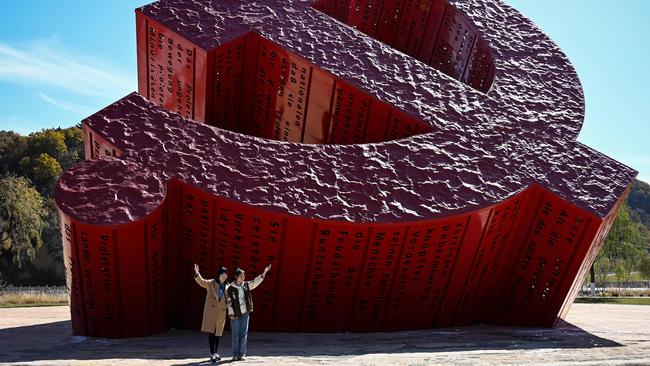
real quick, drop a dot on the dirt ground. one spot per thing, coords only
(594, 334)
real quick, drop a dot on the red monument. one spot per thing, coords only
(403, 164)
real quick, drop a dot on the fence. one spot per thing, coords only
(49, 290)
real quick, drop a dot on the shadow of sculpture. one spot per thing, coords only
(54, 341)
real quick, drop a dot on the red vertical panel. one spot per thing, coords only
(333, 275)
(594, 231)
(133, 278)
(263, 248)
(400, 125)
(456, 241)
(337, 9)
(249, 80)
(231, 234)
(419, 274)
(377, 120)
(350, 109)
(72, 275)
(430, 36)
(294, 262)
(172, 62)
(196, 237)
(543, 263)
(364, 15)
(100, 147)
(389, 21)
(486, 261)
(266, 122)
(570, 277)
(142, 38)
(156, 271)
(174, 250)
(297, 86)
(412, 26)
(98, 268)
(454, 45)
(381, 262)
(321, 91)
(251, 239)
(480, 70)
(227, 85)
(505, 283)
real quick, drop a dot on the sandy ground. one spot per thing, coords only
(594, 334)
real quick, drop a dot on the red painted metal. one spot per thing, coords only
(433, 204)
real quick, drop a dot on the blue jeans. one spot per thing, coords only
(239, 329)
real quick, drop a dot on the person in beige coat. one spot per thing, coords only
(215, 308)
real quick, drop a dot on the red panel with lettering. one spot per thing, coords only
(349, 114)
(73, 273)
(377, 277)
(454, 45)
(480, 70)
(171, 67)
(485, 262)
(197, 211)
(337, 9)
(292, 94)
(401, 125)
(364, 15)
(100, 294)
(266, 122)
(436, 12)
(389, 21)
(419, 274)
(412, 26)
(336, 262)
(96, 146)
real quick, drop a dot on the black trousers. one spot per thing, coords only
(214, 342)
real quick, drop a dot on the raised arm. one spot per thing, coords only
(258, 280)
(200, 280)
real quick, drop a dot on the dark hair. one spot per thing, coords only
(238, 272)
(221, 271)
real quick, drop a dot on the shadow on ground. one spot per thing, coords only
(54, 341)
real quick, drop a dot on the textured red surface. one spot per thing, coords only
(438, 181)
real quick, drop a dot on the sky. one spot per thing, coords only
(62, 60)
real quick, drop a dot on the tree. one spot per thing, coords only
(74, 140)
(22, 215)
(45, 172)
(625, 241)
(602, 268)
(12, 147)
(644, 266)
(51, 142)
(620, 270)
(639, 202)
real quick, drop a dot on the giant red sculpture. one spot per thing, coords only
(404, 164)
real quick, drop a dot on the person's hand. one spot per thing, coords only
(196, 268)
(267, 269)
(232, 317)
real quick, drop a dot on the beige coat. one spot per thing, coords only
(214, 311)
